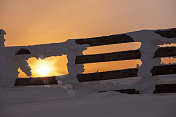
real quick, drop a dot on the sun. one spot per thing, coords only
(43, 69)
(50, 66)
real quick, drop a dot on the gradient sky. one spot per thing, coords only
(29, 22)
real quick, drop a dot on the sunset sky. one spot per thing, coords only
(30, 22)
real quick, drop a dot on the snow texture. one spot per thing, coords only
(54, 102)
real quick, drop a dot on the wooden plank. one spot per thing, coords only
(23, 51)
(35, 81)
(115, 56)
(117, 74)
(163, 70)
(165, 88)
(169, 33)
(165, 52)
(128, 91)
(161, 88)
(105, 40)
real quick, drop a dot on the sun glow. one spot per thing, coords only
(50, 66)
(44, 69)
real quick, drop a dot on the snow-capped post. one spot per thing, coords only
(147, 50)
(2, 40)
(74, 50)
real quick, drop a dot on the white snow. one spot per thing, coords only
(54, 102)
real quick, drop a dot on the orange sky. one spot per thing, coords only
(29, 22)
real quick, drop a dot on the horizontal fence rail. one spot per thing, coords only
(165, 52)
(105, 40)
(161, 88)
(171, 33)
(115, 56)
(107, 75)
(165, 88)
(164, 70)
(36, 81)
(117, 74)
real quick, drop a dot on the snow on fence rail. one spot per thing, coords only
(149, 53)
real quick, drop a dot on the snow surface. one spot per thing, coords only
(52, 101)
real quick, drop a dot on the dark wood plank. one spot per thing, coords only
(128, 91)
(165, 52)
(169, 33)
(160, 88)
(117, 74)
(35, 81)
(165, 88)
(115, 56)
(23, 51)
(164, 70)
(105, 40)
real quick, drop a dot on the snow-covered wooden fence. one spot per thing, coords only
(149, 53)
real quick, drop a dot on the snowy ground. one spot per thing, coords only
(54, 102)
